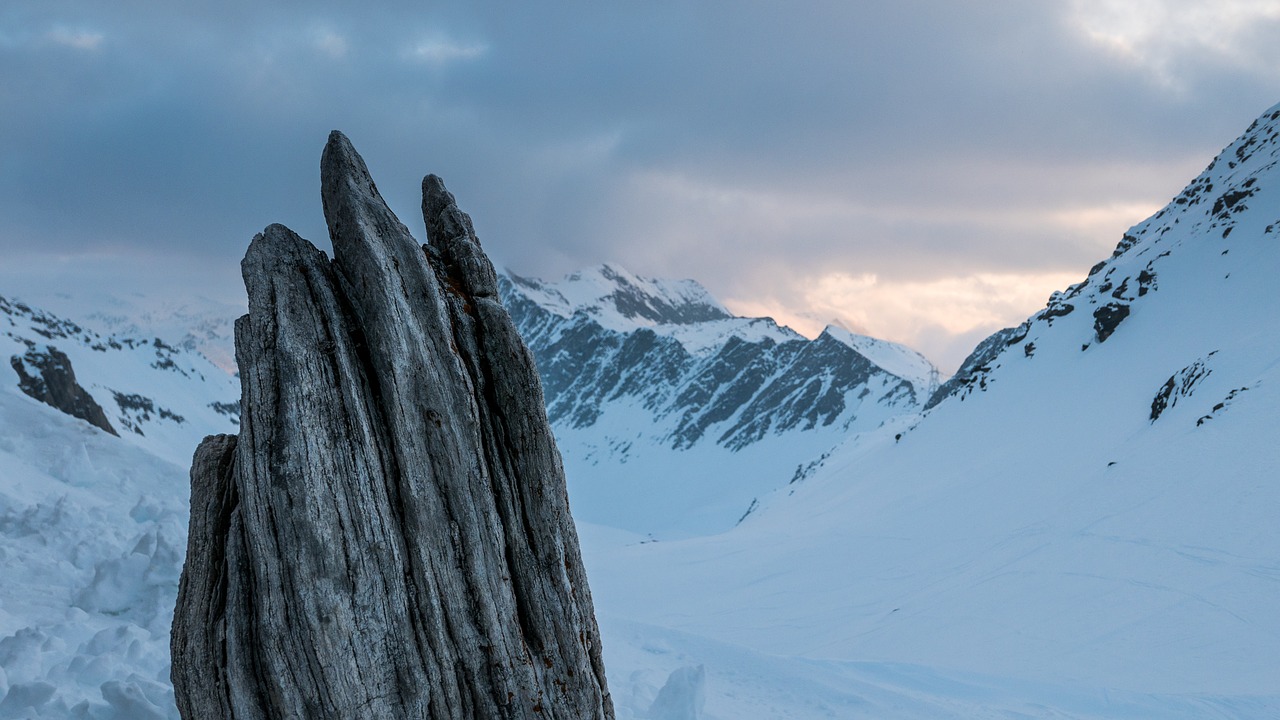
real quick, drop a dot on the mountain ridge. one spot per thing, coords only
(155, 394)
(1082, 526)
(649, 381)
(1213, 203)
(1091, 503)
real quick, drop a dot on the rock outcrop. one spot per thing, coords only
(703, 376)
(974, 367)
(45, 373)
(389, 536)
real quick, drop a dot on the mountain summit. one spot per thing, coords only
(1082, 525)
(619, 300)
(1208, 242)
(673, 414)
(1090, 506)
(389, 535)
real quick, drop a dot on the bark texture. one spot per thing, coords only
(389, 536)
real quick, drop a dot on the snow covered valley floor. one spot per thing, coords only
(969, 569)
(91, 531)
(1082, 526)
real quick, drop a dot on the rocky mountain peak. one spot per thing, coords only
(389, 535)
(443, 218)
(1203, 243)
(621, 300)
(452, 237)
(640, 400)
(45, 374)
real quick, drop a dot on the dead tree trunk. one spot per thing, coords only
(389, 536)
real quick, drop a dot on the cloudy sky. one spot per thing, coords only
(922, 170)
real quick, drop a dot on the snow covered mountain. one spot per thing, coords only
(194, 324)
(673, 415)
(1081, 525)
(96, 434)
(1085, 518)
(153, 393)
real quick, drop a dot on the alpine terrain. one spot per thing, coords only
(1081, 523)
(673, 415)
(96, 438)
(389, 534)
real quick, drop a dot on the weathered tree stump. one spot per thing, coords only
(389, 536)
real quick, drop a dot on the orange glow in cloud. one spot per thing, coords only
(942, 318)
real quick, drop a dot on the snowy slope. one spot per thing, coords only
(93, 526)
(673, 416)
(156, 395)
(194, 324)
(619, 300)
(1083, 526)
(1088, 517)
(92, 534)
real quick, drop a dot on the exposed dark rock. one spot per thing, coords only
(140, 408)
(1123, 246)
(390, 536)
(230, 409)
(1122, 290)
(45, 374)
(733, 397)
(1057, 310)
(1107, 317)
(1180, 385)
(975, 367)
(806, 470)
(1194, 192)
(1162, 398)
(1146, 281)
(1226, 403)
(1229, 202)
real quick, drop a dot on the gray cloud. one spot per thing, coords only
(749, 144)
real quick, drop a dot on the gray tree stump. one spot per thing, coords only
(389, 536)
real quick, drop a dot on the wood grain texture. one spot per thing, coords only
(389, 537)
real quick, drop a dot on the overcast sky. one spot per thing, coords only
(921, 170)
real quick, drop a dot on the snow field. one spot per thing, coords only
(1036, 546)
(92, 535)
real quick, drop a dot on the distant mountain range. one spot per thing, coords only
(1090, 503)
(1079, 523)
(152, 392)
(672, 414)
